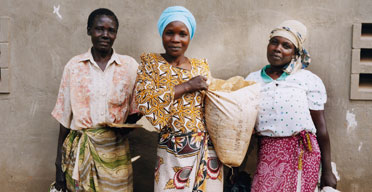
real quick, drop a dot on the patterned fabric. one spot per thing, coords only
(94, 96)
(286, 102)
(296, 32)
(186, 162)
(287, 164)
(96, 158)
(156, 80)
(103, 161)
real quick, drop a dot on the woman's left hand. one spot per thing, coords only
(125, 131)
(328, 179)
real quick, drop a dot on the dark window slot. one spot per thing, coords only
(366, 56)
(367, 30)
(365, 82)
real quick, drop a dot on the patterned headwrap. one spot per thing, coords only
(295, 32)
(177, 13)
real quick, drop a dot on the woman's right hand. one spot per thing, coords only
(196, 84)
(328, 179)
(60, 179)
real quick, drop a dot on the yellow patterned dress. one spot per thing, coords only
(186, 158)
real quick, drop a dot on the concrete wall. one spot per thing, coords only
(232, 35)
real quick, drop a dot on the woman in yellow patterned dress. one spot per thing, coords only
(170, 94)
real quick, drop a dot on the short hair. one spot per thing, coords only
(98, 12)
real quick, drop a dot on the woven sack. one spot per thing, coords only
(230, 112)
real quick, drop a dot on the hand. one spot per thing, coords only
(233, 175)
(60, 179)
(328, 179)
(131, 119)
(125, 131)
(197, 83)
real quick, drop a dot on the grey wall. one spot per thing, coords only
(232, 35)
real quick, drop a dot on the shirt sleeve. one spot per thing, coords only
(316, 93)
(249, 77)
(207, 69)
(253, 76)
(133, 108)
(62, 111)
(154, 102)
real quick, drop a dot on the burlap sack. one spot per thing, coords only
(230, 114)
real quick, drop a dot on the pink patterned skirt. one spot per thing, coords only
(287, 164)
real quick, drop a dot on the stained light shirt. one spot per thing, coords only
(286, 102)
(89, 96)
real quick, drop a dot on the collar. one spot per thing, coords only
(267, 79)
(89, 57)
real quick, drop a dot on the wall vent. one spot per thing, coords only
(361, 65)
(4, 56)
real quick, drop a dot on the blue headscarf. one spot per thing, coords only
(177, 13)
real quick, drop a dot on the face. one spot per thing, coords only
(280, 51)
(176, 39)
(103, 33)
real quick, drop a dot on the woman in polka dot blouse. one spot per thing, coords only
(291, 119)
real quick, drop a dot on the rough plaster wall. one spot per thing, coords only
(232, 35)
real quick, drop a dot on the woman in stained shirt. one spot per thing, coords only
(95, 95)
(170, 95)
(291, 119)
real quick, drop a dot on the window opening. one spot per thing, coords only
(365, 82)
(366, 30)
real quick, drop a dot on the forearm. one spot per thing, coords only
(323, 139)
(63, 132)
(181, 89)
(60, 176)
(327, 178)
(325, 148)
